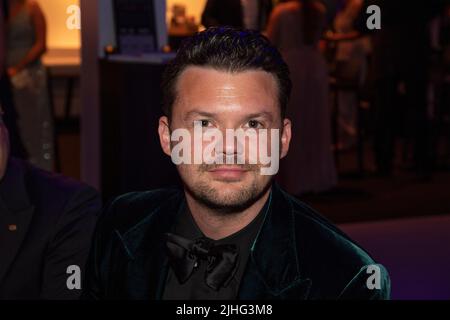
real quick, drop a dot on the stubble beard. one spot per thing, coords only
(231, 203)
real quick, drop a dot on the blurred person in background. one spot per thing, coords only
(401, 54)
(17, 148)
(351, 58)
(26, 43)
(439, 84)
(249, 14)
(296, 28)
(46, 220)
(46, 224)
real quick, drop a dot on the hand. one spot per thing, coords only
(12, 72)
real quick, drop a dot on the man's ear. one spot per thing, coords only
(285, 138)
(164, 134)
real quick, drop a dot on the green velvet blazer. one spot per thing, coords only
(297, 254)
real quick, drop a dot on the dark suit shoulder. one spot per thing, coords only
(328, 235)
(49, 183)
(48, 190)
(130, 209)
(58, 224)
(329, 257)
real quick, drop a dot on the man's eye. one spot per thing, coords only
(254, 124)
(205, 123)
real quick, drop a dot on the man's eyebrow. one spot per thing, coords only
(199, 113)
(207, 114)
(263, 114)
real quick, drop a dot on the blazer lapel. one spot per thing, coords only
(273, 270)
(148, 263)
(16, 213)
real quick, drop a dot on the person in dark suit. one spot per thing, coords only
(230, 232)
(46, 225)
(17, 148)
(250, 14)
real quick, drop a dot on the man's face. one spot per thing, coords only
(4, 147)
(221, 100)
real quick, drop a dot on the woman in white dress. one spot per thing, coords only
(296, 28)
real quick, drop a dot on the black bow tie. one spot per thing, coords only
(184, 256)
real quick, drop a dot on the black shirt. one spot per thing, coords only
(195, 287)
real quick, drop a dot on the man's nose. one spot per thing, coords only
(230, 148)
(232, 144)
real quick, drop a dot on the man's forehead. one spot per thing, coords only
(200, 85)
(225, 81)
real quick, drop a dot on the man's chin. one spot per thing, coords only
(228, 184)
(228, 197)
(227, 205)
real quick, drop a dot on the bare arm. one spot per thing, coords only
(40, 44)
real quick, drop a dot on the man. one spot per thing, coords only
(231, 233)
(249, 14)
(6, 99)
(46, 224)
(400, 73)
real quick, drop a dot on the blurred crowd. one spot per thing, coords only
(398, 73)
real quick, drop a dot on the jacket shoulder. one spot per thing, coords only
(50, 191)
(128, 210)
(331, 259)
(326, 235)
(50, 183)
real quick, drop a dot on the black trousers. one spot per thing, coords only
(386, 120)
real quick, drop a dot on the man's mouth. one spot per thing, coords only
(228, 172)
